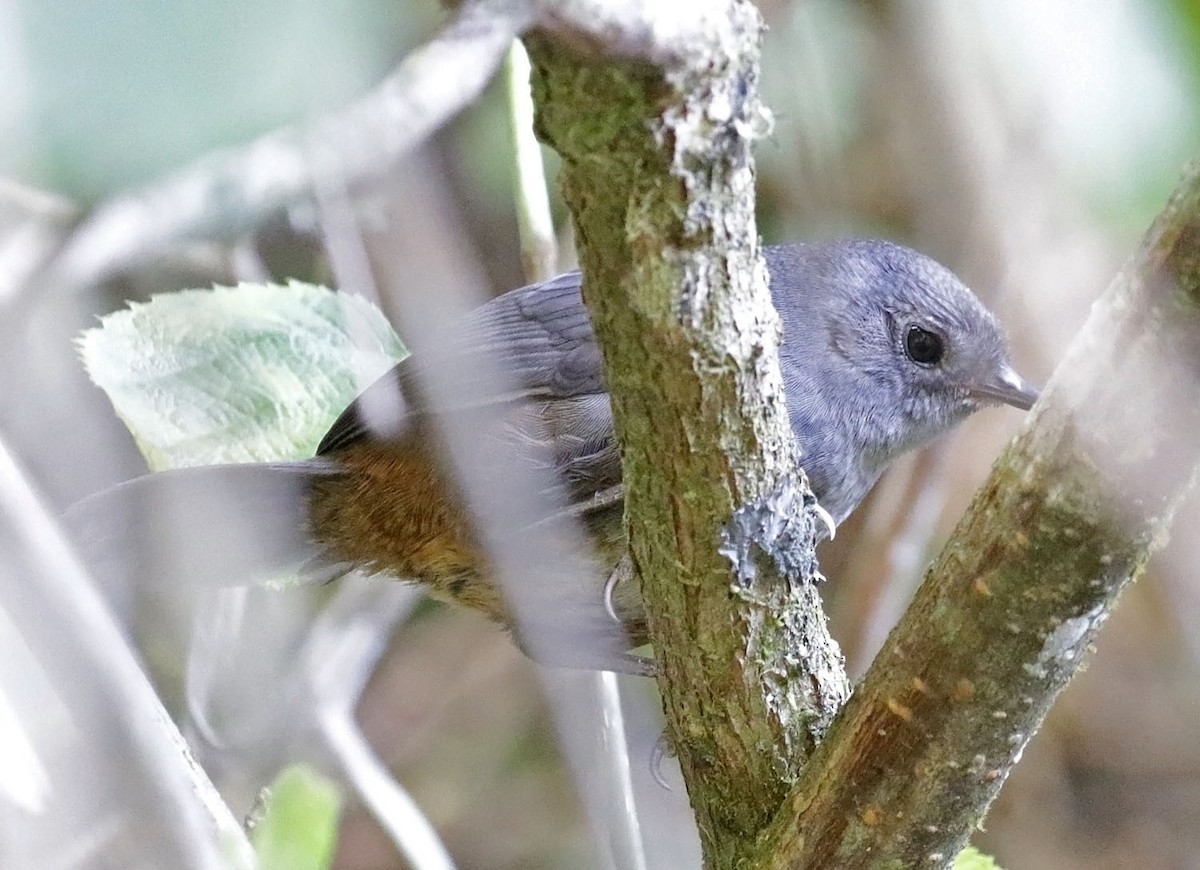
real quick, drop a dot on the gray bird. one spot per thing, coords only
(899, 352)
(883, 351)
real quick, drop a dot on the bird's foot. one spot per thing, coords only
(622, 572)
(826, 518)
(661, 750)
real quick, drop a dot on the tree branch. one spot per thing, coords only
(52, 601)
(1070, 515)
(658, 174)
(233, 191)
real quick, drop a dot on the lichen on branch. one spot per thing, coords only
(659, 177)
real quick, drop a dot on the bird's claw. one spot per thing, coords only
(826, 518)
(610, 588)
(661, 750)
(620, 573)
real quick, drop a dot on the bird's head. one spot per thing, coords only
(908, 350)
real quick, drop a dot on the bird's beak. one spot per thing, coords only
(1008, 387)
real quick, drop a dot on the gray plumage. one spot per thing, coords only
(855, 398)
(883, 350)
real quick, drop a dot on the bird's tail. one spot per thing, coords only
(210, 526)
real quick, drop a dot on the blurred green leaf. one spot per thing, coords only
(298, 826)
(1187, 15)
(971, 858)
(237, 374)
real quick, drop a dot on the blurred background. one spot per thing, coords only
(1026, 145)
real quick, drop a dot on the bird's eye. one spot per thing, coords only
(923, 346)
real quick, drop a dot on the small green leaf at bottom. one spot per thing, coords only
(295, 825)
(971, 858)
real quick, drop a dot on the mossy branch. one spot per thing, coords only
(1006, 615)
(658, 174)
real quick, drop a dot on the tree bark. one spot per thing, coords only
(658, 174)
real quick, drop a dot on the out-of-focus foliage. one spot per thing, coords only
(252, 373)
(100, 96)
(1106, 90)
(298, 829)
(1110, 89)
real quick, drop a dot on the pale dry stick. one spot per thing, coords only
(533, 568)
(885, 566)
(539, 248)
(597, 749)
(227, 193)
(539, 256)
(314, 713)
(344, 645)
(25, 784)
(20, 203)
(906, 550)
(68, 627)
(33, 226)
(340, 654)
(349, 637)
(626, 840)
(232, 624)
(343, 242)
(350, 261)
(396, 812)
(386, 800)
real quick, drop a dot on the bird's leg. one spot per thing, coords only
(826, 518)
(621, 573)
(662, 749)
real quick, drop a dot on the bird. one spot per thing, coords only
(883, 350)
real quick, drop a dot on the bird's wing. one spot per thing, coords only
(553, 393)
(543, 335)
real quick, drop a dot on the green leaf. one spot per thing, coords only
(237, 374)
(297, 827)
(971, 858)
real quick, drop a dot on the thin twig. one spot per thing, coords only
(68, 627)
(390, 804)
(539, 248)
(628, 848)
(539, 256)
